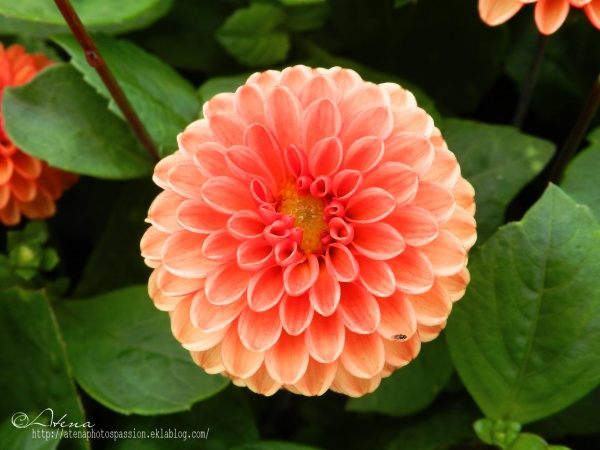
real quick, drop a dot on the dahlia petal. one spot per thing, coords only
(288, 359)
(41, 207)
(249, 103)
(456, 284)
(191, 337)
(464, 194)
(6, 169)
(26, 166)
(444, 170)
(23, 189)
(341, 264)
(377, 240)
(317, 88)
(210, 159)
(399, 97)
(370, 121)
(358, 309)
(262, 383)
(245, 225)
(161, 170)
(283, 112)
(227, 128)
(363, 355)
(263, 143)
(414, 120)
(226, 284)
(195, 134)
(446, 254)
(550, 15)
(237, 359)
(346, 183)
(495, 12)
(4, 195)
(399, 353)
(592, 11)
(220, 102)
(365, 94)
(414, 150)
(341, 231)
(259, 331)
(209, 360)
(287, 253)
(176, 286)
(396, 178)
(370, 205)
(185, 179)
(227, 195)
(436, 199)
(265, 80)
(347, 384)
(463, 226)
(161, 301)
(324, 338)
(416, 225)
(163, 211)
(376, 276)
(317, 378)
(208, 317)
(427, 333)
(433, 307)
(220, 246)
(255, 255)
(295, 313)
(182, 255)
(412, 270)
(364, 154)
(245, 166)
(195, 215)
(321, 120)
(397, 317)
(325, 294)
(345, 79)
(299, 277)
(296, 161)
(265, 289)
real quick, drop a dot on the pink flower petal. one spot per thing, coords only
(182, 255)
(341, 264)
(195, 134)
(370, 205)
(462, 225)
(220, 102)
(444, 170)
(227, 195)
(345, 79)
(358, 309)
(195, 215)
(446, 254)
(456, 284)
(416, 225)
(208, 317)
(284, 112)
(185, 179)
(317, 378)
(249, 103)
(414, 120)
(324, 338)
(364, 154)
(376, 276)
(210, 159)
(325, 293)
(287, 360)
(363, 355)
(495, 12)
(436, 199)
(365, 94)
(26, 166)
(226, 284)
(399, 353)
(245, 225)
(325, 157)
(347, 384)
(346, 183)
(152, 242)
(176, 286)
(220, 246)
(209, 360)
(237, 359)
(299, 277)
(550, 15)
(259, 331)
(412, 270)
(246, 166)
(227, 128)
(161, 170)
(6, 169)
(427, 334)
(191, 337)
(464, 194)
(23, 189)
(265, 289)
(265, 80)
(264, 144)
(161, 301)
(414, 150)
(432, 307)
(262, 383)
(295, 313)
(163, 211)
(369, 121)
(377, 240)
(399, 97)
(592, 11)
(321, 120)
(317, 88)
(294, 78)
(397, 317)
(255, 255)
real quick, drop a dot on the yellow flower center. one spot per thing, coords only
(308, 212)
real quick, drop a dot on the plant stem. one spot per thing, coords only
(577, 133)
(528, 87)
(95, 59)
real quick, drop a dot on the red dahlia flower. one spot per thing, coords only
(28, 186)
(312, 232)
(549, 14)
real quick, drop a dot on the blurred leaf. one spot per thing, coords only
(501, 433)
(305, 15)
(116, 261)
(35, 374)
(59, 118)
(273, 445)
(226, 420)
(150, 373)
(411, 388)
(256, 35)
(301, 2)
(165, 102)
(108, 15)
(14, 438)
(399, 3)
(498, 161)
(581, 177)
(527, 441)
(528, 324)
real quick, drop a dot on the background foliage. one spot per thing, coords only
(80, 335)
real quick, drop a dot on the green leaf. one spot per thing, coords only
(256, 35)
(305, 16)
(498, 161)
(399, 3)
(225, 419)
(497, 432)
(217, 85)
(115, 261)
(35, 374)
(59, 118)
(301, 2)
(107, 15)
(411, 388)
(14, 438)
(580, 179)
(527, 441)
(528, 324)
(273, 445)
(165, 102)
(124, 355)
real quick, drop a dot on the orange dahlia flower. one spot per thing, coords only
(549, 14)
(28, 186)
(312, 232)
